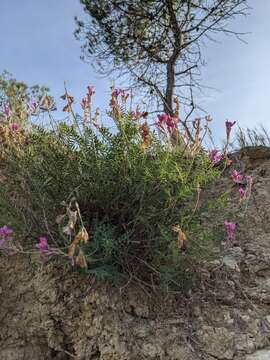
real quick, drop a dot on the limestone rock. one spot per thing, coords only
(259, 355)
(50, 313)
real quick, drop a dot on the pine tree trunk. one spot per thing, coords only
(168, 102)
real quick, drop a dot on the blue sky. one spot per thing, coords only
(38, 47)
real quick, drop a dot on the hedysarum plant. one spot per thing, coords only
(120, 203)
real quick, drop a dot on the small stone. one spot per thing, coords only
(259, 355)
(230, 262)
(228, 319)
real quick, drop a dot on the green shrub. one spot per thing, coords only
(135, 191)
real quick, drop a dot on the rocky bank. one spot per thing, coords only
(50, 313)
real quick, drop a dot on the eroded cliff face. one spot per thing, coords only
(47, 312)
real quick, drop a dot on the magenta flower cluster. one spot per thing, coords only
(215, 156)
(124, 95)
(230, 229)
(87, 100)
(245, 185)
(229, 125)
(86, 103)
(5, 235)
(7, 245)
(237, 177)
(242, 193)
(45, 250)
(6, 240)
(244, 182)
(167, 122)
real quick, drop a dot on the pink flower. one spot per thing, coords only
(116, 93)
(91, 90)
(5, 234)
(85, 103)
(124, 95)
(215, 156)
(136, 115)
(5, 231)
(229, 125)
(14, 127)
(237, 177)
(162, 120)
(172, 123)
(6, 241)
(242, 193)
(230, 226)
(249, 180)
(166, 121)
(44, 248)
(43, 244)
(230, 229)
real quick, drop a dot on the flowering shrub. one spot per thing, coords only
(119, 204)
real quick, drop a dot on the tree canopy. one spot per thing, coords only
(156, 43)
